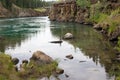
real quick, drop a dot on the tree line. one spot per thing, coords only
(24, 3)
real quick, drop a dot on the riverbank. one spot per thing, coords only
(39, 66)
(104, 16)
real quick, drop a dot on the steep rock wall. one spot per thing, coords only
(68, 12)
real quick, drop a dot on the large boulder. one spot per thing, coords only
(41, 57)
(68, 36)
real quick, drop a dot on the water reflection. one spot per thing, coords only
(90, 42)
(93, 55)
(15, 31)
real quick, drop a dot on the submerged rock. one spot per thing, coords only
(69, 56)
(81, 61)
(68, 36)
(41, 57)
(66, 75)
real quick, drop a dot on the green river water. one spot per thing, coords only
(93, 55)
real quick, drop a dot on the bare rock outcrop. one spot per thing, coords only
(68, 12)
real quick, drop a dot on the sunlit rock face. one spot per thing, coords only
(68, 12)
(41, 57)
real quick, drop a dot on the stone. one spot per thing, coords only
(16, 68)
(22, 67)
(15, 61)
(114, 35)
(69, 56)
(40, 56)
(25, 61)
(68, 36)
(59, 71)
(97, 27)
(103, 31)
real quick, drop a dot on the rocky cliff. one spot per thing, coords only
(104, 15)
(68, 11)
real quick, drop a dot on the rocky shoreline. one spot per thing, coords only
(39, 66)
(71, 12)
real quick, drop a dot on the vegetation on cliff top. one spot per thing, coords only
(105, 13)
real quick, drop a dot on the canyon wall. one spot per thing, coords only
(68, 12)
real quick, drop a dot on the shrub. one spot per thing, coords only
(83, 3)
(96, 15)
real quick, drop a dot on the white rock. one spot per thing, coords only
(68, 36)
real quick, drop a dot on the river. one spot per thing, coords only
(92, 53)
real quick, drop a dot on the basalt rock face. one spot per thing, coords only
(68, 12)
